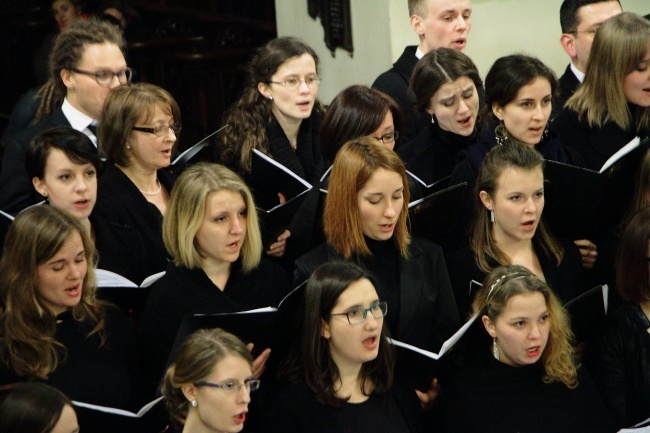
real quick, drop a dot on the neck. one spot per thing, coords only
(349, 384)
(193, 423)
(89, 229)
(144, 180)
(513, 247)
(289, 126)
(217, 271)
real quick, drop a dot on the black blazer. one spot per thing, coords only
(567, 280)
(16, 189)
(568, 83)
(595, 144)
(432, 155)
(184, 291)
(119, 201)
(395, 83)
(428, 314)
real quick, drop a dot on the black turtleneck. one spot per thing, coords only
(384, 265)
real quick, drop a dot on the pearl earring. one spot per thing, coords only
(270, 98)
(195, 403)
(128, 147)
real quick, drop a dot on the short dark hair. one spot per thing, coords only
(311, 362)
(33, 407)
(355, 112)
(509, 74)
(75, 144)
(439, 67)
(631, 260)
(569, 20)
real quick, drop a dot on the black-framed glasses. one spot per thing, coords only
(294, 82)
(389, 137)
(160, 130)
(105, 78)
(590, 32)
(232, 387)
(358, 315)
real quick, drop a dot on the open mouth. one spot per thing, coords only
(537, 130)
(74, 290)
(239, 419)
(386, 227)
(528, 225)
(370, 342)
(233, 245)
(83, 203)
(466, 122)
(533, 351)
(459, 43)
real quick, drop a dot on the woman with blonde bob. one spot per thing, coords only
(212, 233)
(525, 369)
(137, 131)
(365, 221)
(53, 328)
(208, 387)
(612, 105)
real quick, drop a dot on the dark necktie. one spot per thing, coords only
(93, 129)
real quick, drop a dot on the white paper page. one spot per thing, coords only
(111, 279)
(282, 167)
(152, 279)
(620, 153)
(116, 411)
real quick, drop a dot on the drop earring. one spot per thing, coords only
(433, 119)
(492, 215)
(495, 349)
(501, 134)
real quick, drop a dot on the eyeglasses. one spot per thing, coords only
(232, 387)
(590, 32)
(160, 130)
(105, 78)
(389, 137)
(358, 315)
(294, 82)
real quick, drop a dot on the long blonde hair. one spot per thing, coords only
(505, 282)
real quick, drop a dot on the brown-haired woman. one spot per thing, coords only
(365, 221)
(280, 116)
(53, 328)
(508, 228)
(619, 358)
(137, 131)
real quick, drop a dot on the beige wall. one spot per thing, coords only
(380, 30)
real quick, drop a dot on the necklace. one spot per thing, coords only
(155, 192)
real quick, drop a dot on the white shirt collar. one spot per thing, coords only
(79, 120)
(418, 53)
(579, 75)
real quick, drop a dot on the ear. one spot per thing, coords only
(325, 330)
(66, 77)
(568, 43)
(417, 24)
(498, 111)
(429, 109)
(39, 186)
(489, 326)
(486, 200)
(189, 391)
(264, 90)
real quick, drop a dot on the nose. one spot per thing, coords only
(170, 135)
(75, 272)
(236, 227)
(538, 114)
(115, 82)
(303, 87)
(244, 395)
(80, 185)
(461, 23)
(371, 322)
(535, 333)
(462, 106)
(531, 206)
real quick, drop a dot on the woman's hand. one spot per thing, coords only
(259, 364)
(278, 248)
(588, 252)
(427, 398)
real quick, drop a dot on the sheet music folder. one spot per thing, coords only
(270, 178)
(182, 160)
(581, 203)
(264, 327)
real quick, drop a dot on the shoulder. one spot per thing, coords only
(420, 246)
(308, 262)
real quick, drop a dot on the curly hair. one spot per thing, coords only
(505, 282)
(27, 326)
(250, 115)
